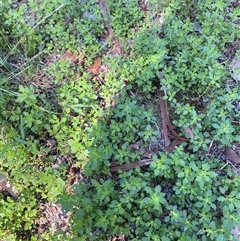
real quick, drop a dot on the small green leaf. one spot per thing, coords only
(231, 207)
(221, 199)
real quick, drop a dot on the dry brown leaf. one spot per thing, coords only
(69, 56)
(80, 59)
(147, 155)
(176, 142)
(125, 167)
(232, 155)
(116, 47)
(168, 127)
(164, 113)
(72, 57)
(134, 147)
(165, 116)
(188, 130)
(95, 67)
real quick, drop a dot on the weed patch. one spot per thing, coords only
(77, 80)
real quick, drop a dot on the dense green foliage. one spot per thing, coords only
(45, 99)
(180, 197)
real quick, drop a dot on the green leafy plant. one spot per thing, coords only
(18, 216)
(181, 196)
(95, 117)
(159, 203)
(111, 138)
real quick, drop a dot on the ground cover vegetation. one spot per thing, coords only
(80, 87)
